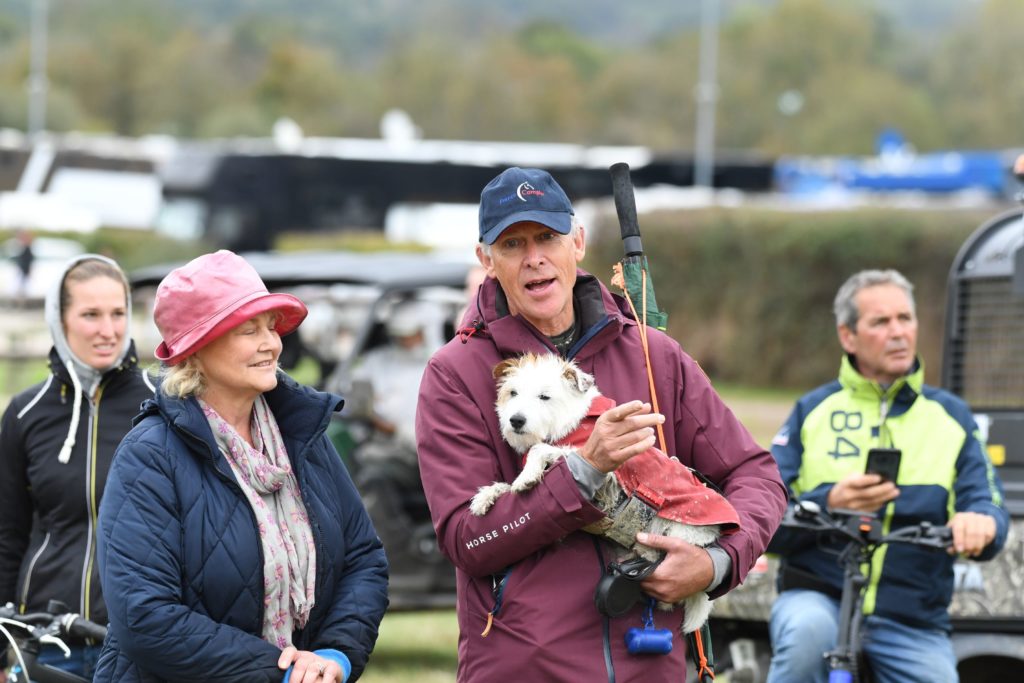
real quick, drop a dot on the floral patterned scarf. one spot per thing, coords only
(289, 555)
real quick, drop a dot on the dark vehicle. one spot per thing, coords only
(350, 298)
(984, 364)
(242, 196)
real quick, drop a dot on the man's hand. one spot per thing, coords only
(687, 569)
(972, 532)
(619, 434)
(862, 492)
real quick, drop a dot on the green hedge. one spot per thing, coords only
(749, 292)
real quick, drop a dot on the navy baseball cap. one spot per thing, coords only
(523, 194)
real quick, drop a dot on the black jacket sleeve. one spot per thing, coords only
(15, 504)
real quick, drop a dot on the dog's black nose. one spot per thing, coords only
(517, 421)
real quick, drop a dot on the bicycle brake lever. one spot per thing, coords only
(13, 622)
(806, 509)
(54, 640)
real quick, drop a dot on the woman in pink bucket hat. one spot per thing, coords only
(232, 539)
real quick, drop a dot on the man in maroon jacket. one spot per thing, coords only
(526, 572)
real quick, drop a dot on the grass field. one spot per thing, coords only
(415, 646)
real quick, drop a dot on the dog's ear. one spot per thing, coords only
(503, 368)
(581, 380)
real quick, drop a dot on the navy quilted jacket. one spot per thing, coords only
(180, 555)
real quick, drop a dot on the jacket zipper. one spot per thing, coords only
(90, 495)
(878, 560)
(590, 334)
(31, 567)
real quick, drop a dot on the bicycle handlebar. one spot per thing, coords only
(80, 627)
(862, 532)
(864, 528)
(39, 624)
(924, 534)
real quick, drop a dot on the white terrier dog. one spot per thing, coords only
(541, 401)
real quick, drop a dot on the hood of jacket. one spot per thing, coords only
(87, 376)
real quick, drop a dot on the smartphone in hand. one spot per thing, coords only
(884, 461)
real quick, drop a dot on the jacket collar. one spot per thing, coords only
(905, 389)
(302, 413)
(601, 314)
(59, 370)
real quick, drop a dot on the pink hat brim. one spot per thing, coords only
(292, 311)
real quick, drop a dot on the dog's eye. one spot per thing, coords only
(545, 397)
(513, 393)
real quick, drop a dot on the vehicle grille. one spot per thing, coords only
(987, 367)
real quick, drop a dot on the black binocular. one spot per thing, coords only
(619, 588)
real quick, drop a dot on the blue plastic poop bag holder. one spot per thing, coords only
(335, 655)
(649, 640)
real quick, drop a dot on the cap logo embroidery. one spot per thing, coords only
(523, 195)
(527, 189)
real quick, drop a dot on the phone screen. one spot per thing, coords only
(884, 461)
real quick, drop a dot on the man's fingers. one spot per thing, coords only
(636, 417)
(620, 434)
(629, 412)
(655, 541)
(623, 411)
(857, 493)
(972, 532)
(635, 422)
(632, 444)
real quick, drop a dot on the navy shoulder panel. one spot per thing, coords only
(954, 405)
(814, 398)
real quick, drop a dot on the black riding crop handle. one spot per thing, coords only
(625, 206)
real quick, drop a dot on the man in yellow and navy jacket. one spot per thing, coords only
(945, 477)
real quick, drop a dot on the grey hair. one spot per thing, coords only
(575, 224)
(845, 307)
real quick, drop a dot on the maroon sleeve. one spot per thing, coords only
(721, 448)
(457, 456)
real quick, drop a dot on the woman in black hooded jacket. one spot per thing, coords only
(57, 440)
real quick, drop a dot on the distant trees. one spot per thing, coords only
(795, 76)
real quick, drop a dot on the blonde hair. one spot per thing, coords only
(184, 379)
